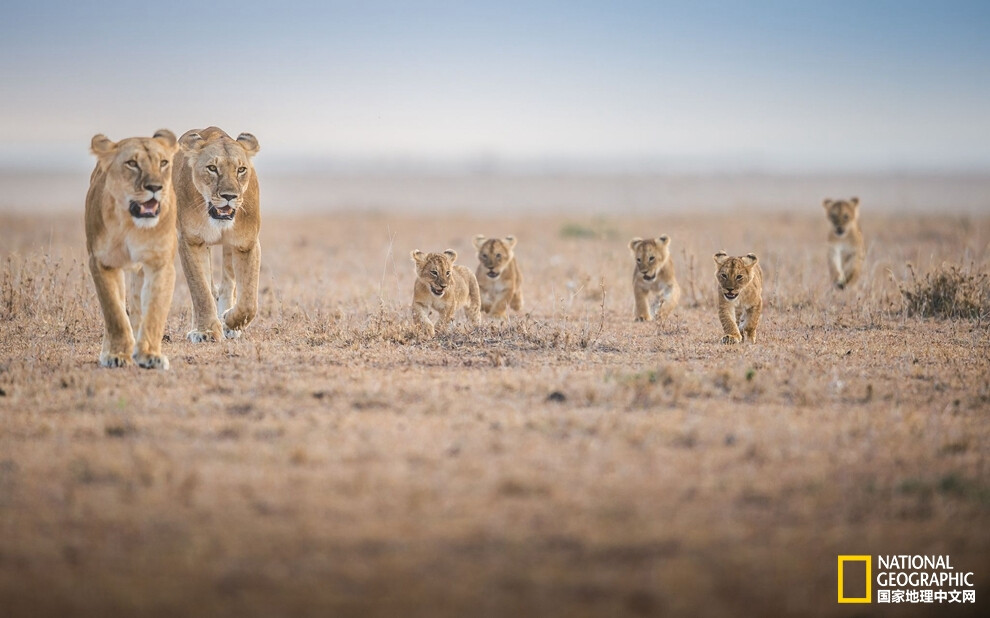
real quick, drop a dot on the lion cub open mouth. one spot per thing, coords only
(223, 213)
(730, 295)
(146, 210)
(649, 277)
(437, 292)
(492, 274)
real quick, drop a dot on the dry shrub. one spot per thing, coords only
(948, 292)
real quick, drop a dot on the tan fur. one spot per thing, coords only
(210, 166)
(498, 275)
(742, 278)
(132, 175)
(846, 248)
(457, 287)
(654, 273)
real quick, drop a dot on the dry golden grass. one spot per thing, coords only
(565, 462)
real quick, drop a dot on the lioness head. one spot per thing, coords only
(435, 269)
(841, 213)
(137, 172)
(221, 169)
(651, 254)
(734, 273)
(494, 253)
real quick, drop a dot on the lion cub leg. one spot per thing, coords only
(247, 270)
(727, 316)
(473, 308)
(835, 267)
(196, 264)
(156, 299)
(421, 317)
(134, 284)
(851, 263)
(669, 300)
(517, 300)
(643, 313)
(748, 322)
(118, 338)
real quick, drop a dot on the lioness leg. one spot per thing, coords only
(227, 291)
(156, 298)
(196, 265)
(117, 336)
(246, 270)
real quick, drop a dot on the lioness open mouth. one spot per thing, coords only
(145, 210)
(730, 295)
(223, 213)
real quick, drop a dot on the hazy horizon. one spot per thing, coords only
(545, 86)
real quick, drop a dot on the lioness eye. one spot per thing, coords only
(212, 168)
(241, 170)
(131, 164)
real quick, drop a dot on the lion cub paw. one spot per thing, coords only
(151, 361)
(114, 360)
(731, 339)
(229, 333)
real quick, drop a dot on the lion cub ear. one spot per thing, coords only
(750, 260)
(101, 145)
(663, 240)
(827, 203)
(249, 142)
(634, 243)
(192, 141)
(854, 201)
(510, 241)
(478, 241)
(721, 257)
(417, 256)
(451, 254)
(165, 138)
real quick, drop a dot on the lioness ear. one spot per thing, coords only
(510, 241)
(479, 240)
(854, 201)
(750, 260)
(451, 254)
(827, 203)
(663, 240)
(634, 243)
(191, 140)
(166, 137)
(417, 256)
(249, 142)
(721, 257)
(101, 145)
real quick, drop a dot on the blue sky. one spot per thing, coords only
(740, 85)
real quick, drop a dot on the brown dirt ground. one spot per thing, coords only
(565, 462)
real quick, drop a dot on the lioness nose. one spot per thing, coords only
(229, 196)
(153, 188)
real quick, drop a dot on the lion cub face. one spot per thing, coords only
(734, 273)
(651, 255)
(435, 269)
(138, 173)
(221, 171)
(842, 214)
(494, 253)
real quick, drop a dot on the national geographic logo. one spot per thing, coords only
(855, 576)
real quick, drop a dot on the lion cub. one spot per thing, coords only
(445, 287)
(498, 275)
(130, 225)
(740, 296)
(845, 242)
(654, 272)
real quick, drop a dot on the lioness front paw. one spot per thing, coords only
(731, 339)
(151, 361)
(114, 360)
(201, 336)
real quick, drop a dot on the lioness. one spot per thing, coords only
(654, 272)
(130, 224)
(846, 249)
(445, 287)
(499, 279)
(740, 296)
(218, 203)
